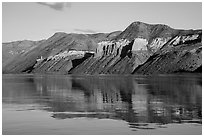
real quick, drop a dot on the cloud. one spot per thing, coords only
(56, 5)
(85, 30)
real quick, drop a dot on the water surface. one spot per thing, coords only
(58, 104)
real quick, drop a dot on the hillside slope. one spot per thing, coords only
(183, 53)
(12, 49)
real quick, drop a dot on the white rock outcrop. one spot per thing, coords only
(110, 47)
(183, 39)
(158, 43)
(139, 44)
(70, 53)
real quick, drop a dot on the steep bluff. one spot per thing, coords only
(113, 57)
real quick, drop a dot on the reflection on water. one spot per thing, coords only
(144, 102)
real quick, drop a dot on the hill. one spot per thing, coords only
(140, 49)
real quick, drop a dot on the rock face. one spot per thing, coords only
(141, 48)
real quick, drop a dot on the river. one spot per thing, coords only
(101, 104)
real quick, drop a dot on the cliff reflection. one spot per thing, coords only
(137, 100)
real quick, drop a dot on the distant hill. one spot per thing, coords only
(140, 49)
(12, 49)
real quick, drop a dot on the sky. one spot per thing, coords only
(40, 20)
